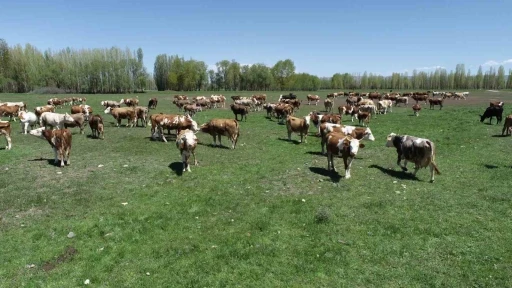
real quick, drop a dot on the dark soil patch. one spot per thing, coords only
(66, 256)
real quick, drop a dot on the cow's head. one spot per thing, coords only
(369, 135)
(193, 123)
(390, 139)
(122, 101)
(108, 110)
(37, 132)
(205, 127)
(350, 144)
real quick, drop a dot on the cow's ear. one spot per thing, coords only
(361, 145)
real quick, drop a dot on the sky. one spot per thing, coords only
(322, 37)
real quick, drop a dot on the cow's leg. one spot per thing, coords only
(399, 164)
(214, 140)
(220, 141)
(56, 158)
(68, 152)
(305, 137)
(118, 122)
(328, 161)
(348, 162)
(195, 160)
(25, 127)
(8, 138)
(290, 135)
(431, 172)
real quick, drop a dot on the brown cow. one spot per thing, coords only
(11, 111)
(40, 110)
(96, 124)
(5, 129)
(344, 146)
(311, 98)
(152, 103)
(496, 103)
(191, 109)
(142, 114)
(298, 125)
(507, 126)
(180, 97)
(359, 133)
(180, 103)
(374, 95)
(433, 102)
(348, 110)
(418, 98)
(282, 111)
(80, 121)
(123, 113)
(416, 108)
(364, 117)
(130, 102)
(222, 127)
(60, 140)
(240, 109)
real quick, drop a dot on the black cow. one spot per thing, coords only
(494, 111)
(289, 96)
(240, 109)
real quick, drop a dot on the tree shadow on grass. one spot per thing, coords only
(395, 174)
(296, 142)
(177, 167)
(335, 177)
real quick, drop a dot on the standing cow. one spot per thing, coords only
(60, 140)
(186, 142)
(5, 129)
(222, 127)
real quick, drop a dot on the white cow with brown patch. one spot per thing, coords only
(5, 129)
(186, 142)
(60, 140)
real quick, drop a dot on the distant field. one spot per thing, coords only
(247, 217)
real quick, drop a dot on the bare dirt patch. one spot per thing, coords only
(66, 256)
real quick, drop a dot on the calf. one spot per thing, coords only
(240, 109)
(222, 127)
(420, 151)
(11, 111)
(344, 146)
(416, 108)
(328, 105)
(27, 119)
(364, 117)
(80, 121)
(60, 140)
(55, 120)
(96, 124)
(507, 126)
(492, 112)
(433, 102)
(152, 103)
(186, 142)
(298, 125)
(123, 113)
(5, 129)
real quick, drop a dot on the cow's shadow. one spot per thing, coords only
(396, 174)
(489, 166)
(213, 146)
(177, 167)
(335, 176)
(50, 161)
(499, 136)
(296, 142)
(318, 153)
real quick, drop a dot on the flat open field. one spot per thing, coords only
(249, 217)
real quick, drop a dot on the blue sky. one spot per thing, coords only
(322, 37)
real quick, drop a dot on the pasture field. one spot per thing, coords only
(266, 214)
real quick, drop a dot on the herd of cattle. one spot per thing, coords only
(336, 139)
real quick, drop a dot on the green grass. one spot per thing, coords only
(249, 217)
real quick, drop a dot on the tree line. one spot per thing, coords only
(114, 70)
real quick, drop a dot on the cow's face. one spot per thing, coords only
(108, 110)
(390, 139)
(68, 118)
(352, 144)
(369, 135)
(37, 132)
(205, 128)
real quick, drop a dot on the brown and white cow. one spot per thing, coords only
(22, 105)
(152, 103)
(130, 102)
(142, 114)
(312, 98)
(191, 109)
(10, 111)
(80, 121)
(282, 111)
(298, 125)
(222, 127)
(496, 103)
(400, 100)
(348, 110)
(384, 105)
(364, 117)
(110, 103)
(507, 126)
(420, 151)
(97, 128)
(186, 142)
(60, 140)
(416, 108)
(218, 99)
(171, 122)
(328, 105)
(123, 113)
(360, 133)
(342, 145)
(318, 119)
(260, 97)
(41, 109)
(5, 129)
(180, 97)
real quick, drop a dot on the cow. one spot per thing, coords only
(492, 112)
(236, 97)
(318, 119)
(180, 103)
(11, 111)
(152, 103)
(351, 100)
(348, 110)
(27, 119)
(60, 140)
(80, 121)
(142, 114)
(214, 99)
(166, 121)
(123, 113)
(191, 109)
(344, 146)
(433, 102)
(55, 120)
(261, 98)
(203, 103)
(186, 142)
(130, 102)
(507, 126)
(285, 96)
(404, 100)
(249, 103)
(85, 109)
(374, 95)
(420, 151)
(328, 105)
(364, 117)
(311, 98)
(240, 109)
(5, 129)
(97, 128)
(383, 106)
(55, 102)
(269, 107)
(416, 108)
(359, 133)
(298, 125)
(180, 97)
(22, 105)
(419, 98)
(41, 109)
(222, 127)
(496, 103)
(370, 108)
(282, 111)
(110, 103)
(294, 102)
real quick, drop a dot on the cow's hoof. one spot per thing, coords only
(431, 181)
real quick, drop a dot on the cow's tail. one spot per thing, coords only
(433, 157)
(237, 133)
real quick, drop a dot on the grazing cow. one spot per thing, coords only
(364, 117)
(152, 103)
(180, 97)
(433, 102)
(186, 142)
(344, 146)
(351, 100)
(191, 109)
(55, 120)
(298, 125)
(348, 110)
(80, 121)
(22, 105)
(130, 102)
(374, 95)
(240, 109)
(27, 119)
(328, 105)
(60, 140)
(507, 126)
(142, 114)
(404, 100)
(269, 107)
(418, 98)
(123, 113)
(236, 97)
(383, 106)
(96, 124)
(5, 129)
(110, 103)
(40, 110)
(282, 111)
(311, 98)
(416, 108)
(222, 127)
(180, 103)
(56, 102)
(492, 112)
(420, 151)
(165, 121)
(496, 103)
(11, 111)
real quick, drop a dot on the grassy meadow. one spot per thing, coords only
(267, 214)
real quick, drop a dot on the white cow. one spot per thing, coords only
(27, 119)
(55, 120)
(383, 106)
